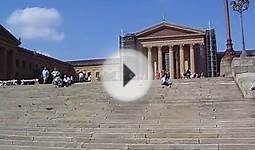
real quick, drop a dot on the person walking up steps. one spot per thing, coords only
(45, 75)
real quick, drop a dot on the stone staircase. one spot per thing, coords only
(199, 114)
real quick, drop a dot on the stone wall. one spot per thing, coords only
(243, 65)
(243, 71)
(95, 71)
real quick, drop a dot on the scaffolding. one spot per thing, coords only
(211, 48)
(128, 41)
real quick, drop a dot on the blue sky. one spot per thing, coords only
(81, 29)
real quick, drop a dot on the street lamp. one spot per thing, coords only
(240, 6)
(229, 53)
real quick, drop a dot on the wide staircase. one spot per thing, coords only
(199, 114)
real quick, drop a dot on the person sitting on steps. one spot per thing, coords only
(66, 81)
(187, 74)
(165, 82)
(57, 81)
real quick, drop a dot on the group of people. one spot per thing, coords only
(58, 80)
(188, 74)
(165, 79)
(84, 77)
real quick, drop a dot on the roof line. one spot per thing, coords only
(167, 23)
(10, 34)
(88, 59)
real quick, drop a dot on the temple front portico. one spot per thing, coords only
(171, 48)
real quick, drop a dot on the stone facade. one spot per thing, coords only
(93, 67)
(186, 47)
(171, 48)
(20, 63)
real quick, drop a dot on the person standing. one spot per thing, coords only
(45, 75)
(81, 76)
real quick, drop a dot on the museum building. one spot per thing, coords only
(174, 48)
(168, 47)
(20, 63)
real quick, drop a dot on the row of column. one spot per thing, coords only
(3, 63)
(8, 64)
(171, 59)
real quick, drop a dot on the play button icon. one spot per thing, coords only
(126, 75)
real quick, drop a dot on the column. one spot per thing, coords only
(14, 64)
(159, 59)
(149, 63)
(171, 62)
(181, 60)
(4, 61)
(177, 64)
(192, 58)
(140, 65)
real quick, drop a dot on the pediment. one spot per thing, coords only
(165, 29)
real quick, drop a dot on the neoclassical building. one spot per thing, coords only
(17, 62)
(167, 46)
(174, 48)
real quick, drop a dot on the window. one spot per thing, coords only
(30, 66)
(97, 74)
(17, 63)
(23, 64)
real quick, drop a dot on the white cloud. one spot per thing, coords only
(36, 23)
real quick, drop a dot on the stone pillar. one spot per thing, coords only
(149, 63)
(140, 65)
(181, 60)
(4, 65)
(159, 59)
(171, 62)
(14, 64)
(177, 63)
(192, 58)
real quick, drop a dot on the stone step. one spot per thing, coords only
(73, 131)
(16, 147)
(193, 114)
(143, 147)
(150, 146)
(161, 123)
(192, 146)
(58, 144)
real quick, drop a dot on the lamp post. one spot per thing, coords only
(240, 6)
(229, 53)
